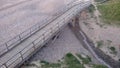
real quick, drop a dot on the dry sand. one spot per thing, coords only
(67, 42)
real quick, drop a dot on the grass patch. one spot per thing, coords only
(110, 11)
(72, 62)
(29, 65)
(84, 60)
(102, 1)
(69, 61)
(100, 43)
(50, 65)
(91, 8)
(113, 50)
(45, 62)
(99, 66)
